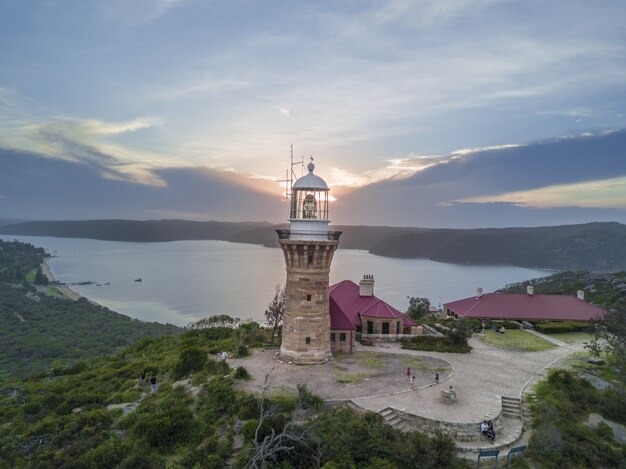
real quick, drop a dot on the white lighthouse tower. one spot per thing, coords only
(308, 247)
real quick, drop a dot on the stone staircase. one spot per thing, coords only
(392, 418)
(511, 407)
(508, 437)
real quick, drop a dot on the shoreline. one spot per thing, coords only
(64, 289)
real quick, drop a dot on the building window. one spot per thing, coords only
(385, 328)
(370, 327)
(342, 337)
(398, 327)
(310, 259)
(308, 297)
(332, 336)
(308, 340)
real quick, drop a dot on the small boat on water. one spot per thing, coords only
(138, 279)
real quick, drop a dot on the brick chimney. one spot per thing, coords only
(581, 294)
(479, 292)
(530, 290)
(366, 285)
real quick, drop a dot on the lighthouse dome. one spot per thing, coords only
(310, 181)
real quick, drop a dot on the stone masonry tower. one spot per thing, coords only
(308, 247)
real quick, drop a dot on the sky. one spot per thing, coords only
(448, 113)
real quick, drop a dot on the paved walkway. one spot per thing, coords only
(548, 338)
(479, 378)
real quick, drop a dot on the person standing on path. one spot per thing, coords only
(436, 378)
(408, 373)
(142, 378)
(413, 382)
(153, 383)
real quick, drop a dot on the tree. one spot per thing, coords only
(40, 278)
(460, 332)
(418, 307)
(220, 320)
(609, 336)
(276, 310)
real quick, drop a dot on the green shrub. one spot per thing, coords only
(460, 332)
(219, 368)
(553, 327)
(285, 401)
(241, 351)
(274, 422)
(70, 369)
(165, 421)
(307, 399)
(216, 398)
(241, 373)
(434, 344)
(190, 359)
(247, 406)
(107, 454)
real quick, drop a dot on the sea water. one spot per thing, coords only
(183, 281)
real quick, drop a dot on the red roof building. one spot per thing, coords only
(519, 306)
(354, 309)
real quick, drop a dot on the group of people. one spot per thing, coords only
(486, 428)
(411, 377)
(153, 381)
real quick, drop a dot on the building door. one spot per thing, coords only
(370, 327)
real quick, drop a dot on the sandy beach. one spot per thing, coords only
(64, 289)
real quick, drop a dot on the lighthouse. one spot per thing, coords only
(308, 247)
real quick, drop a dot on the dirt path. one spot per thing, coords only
(366, 373)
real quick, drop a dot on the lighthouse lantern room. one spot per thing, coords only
(308, 216)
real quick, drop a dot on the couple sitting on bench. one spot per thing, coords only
(486, 428)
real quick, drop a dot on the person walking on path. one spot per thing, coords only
(436, 378)
(413, 382)
(153, 383)
(142, 378)
(408, 373)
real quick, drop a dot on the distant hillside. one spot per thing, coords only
(591, 246)
(133, 230)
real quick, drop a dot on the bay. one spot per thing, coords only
(183, 281)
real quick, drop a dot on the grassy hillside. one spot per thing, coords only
(97, 414)
(36, 335)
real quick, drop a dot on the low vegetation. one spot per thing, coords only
(434, 344)
(516, 339)
(560, 437)
(97, 413)
(350, 378)
(416, 364)
(555, 327)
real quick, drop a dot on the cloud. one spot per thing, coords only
(568, 180)
(284, 111)
(607, 193)
(37, 187)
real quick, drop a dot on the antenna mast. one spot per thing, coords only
(290, 174)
